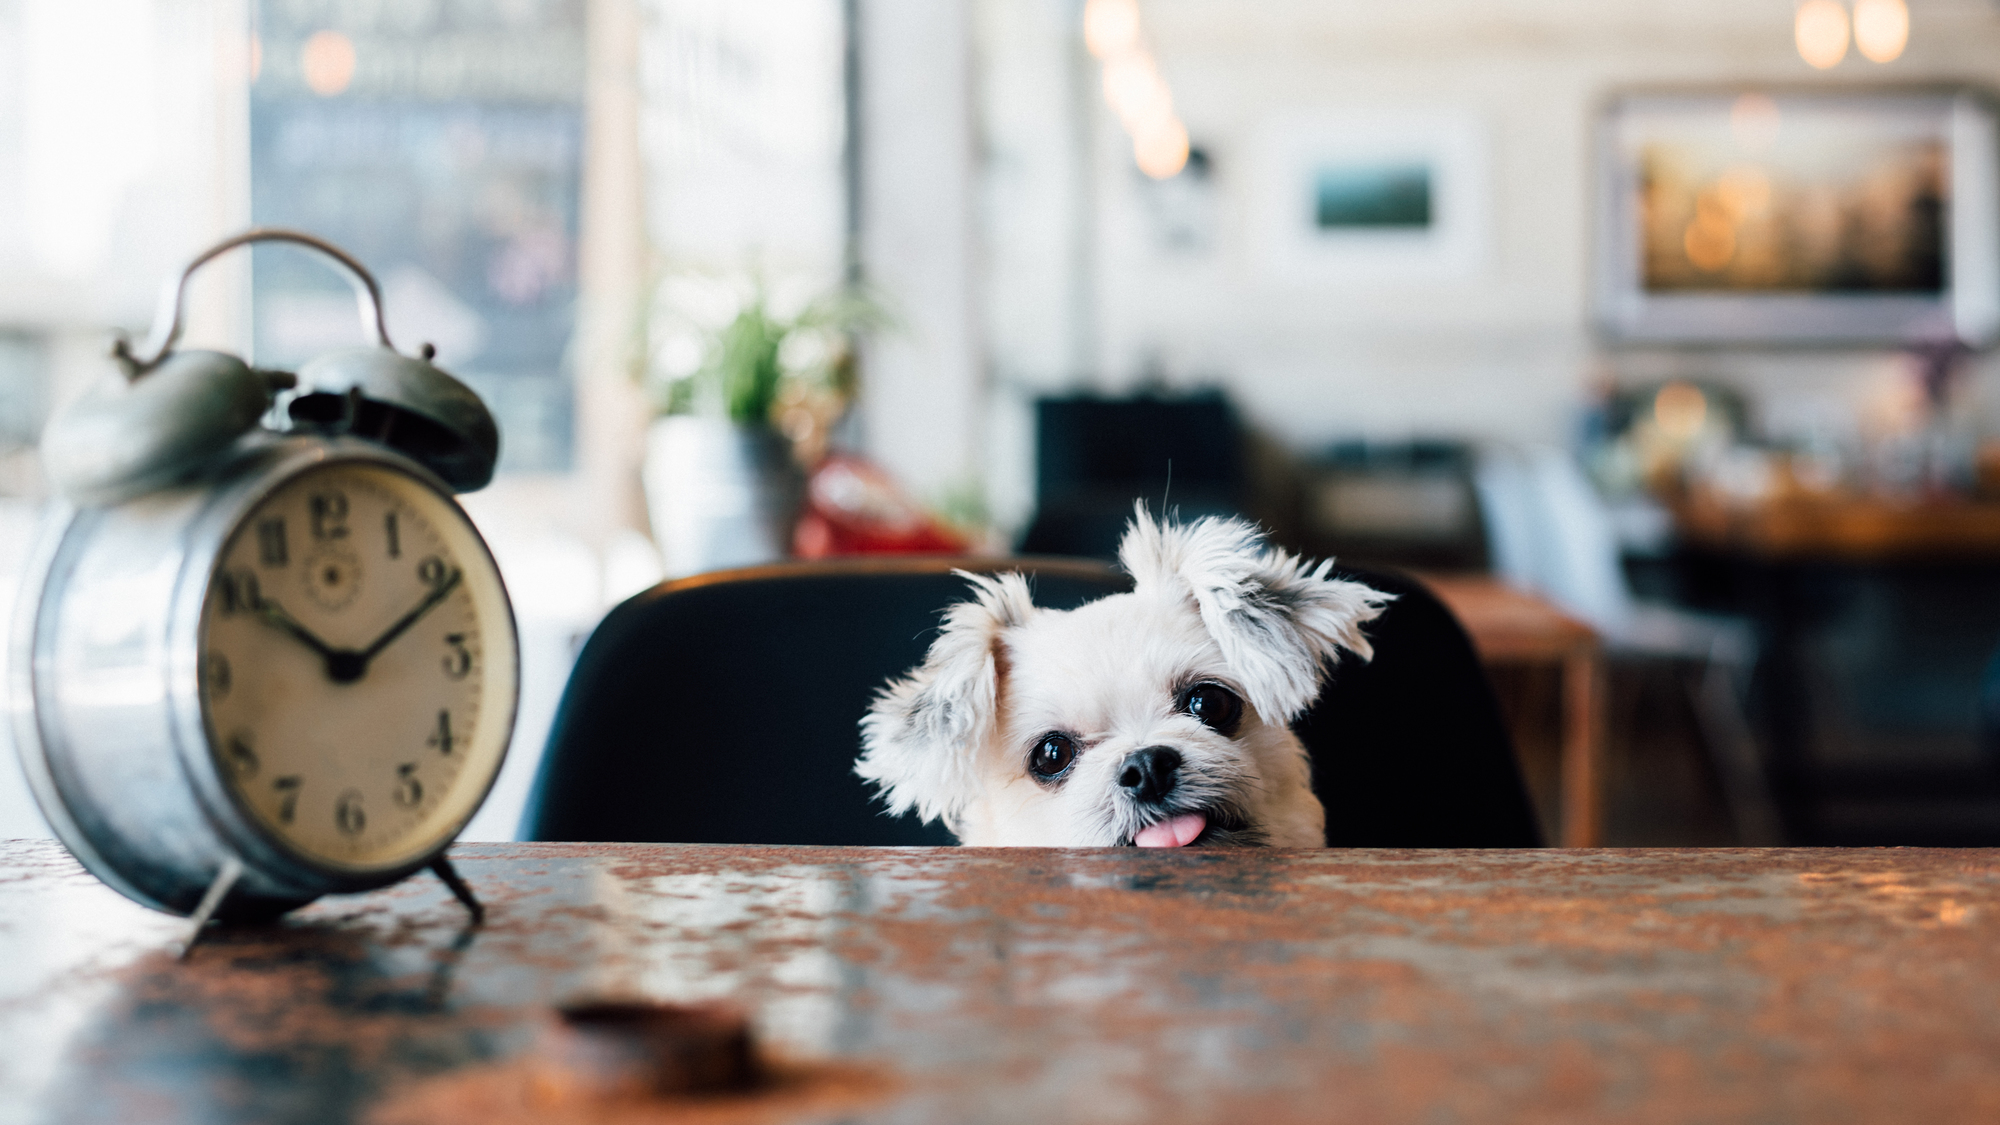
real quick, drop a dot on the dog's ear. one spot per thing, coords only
(1277, 619)
(922, 734)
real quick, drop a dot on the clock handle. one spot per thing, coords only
(167, 318)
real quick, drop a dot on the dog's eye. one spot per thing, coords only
(1216, 706)
(1051, 757)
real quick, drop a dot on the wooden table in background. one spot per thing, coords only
(1843, 527)
(1510, 626)
(1043, 985)
(1856, 597)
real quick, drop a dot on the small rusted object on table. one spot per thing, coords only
(971, 985)
(632, 1048)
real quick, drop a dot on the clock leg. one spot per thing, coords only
(459, 889)
(211, 900)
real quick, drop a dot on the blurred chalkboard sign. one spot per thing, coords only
(443, 145)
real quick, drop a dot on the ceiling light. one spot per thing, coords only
(1881, 29)
(1820, 29)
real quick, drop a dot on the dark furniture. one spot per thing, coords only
(1094, 456)
(1877, 621)
(724, 708)
(1398, 504)
(1023, 984)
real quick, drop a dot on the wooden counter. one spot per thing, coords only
(1843, 527)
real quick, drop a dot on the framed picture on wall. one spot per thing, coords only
(1799, 218)
(1370, 196)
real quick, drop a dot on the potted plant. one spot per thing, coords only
(746, 385)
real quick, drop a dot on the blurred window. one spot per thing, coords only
(443, 146)
(744, 134)
(21, 409)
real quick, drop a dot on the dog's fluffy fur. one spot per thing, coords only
(1212, 604)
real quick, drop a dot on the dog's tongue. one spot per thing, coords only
(1178, 832)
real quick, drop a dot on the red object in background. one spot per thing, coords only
(853, 508)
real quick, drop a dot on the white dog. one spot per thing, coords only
(1159, 718)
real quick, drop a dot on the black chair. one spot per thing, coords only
(724, 708)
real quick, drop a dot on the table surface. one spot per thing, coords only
(1507, 624)
(1844, 527)
(1152, 987)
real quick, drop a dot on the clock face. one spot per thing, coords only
(358, 667)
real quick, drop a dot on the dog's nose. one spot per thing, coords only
(1150, 774)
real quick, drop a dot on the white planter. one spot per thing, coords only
(719, 494)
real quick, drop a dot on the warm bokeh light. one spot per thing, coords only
(1710, 240)
(256, 61)
(1134, 89)
(1753, 122)
(327, 60)
(1821, 31)
(1881, 29)
(1713, 208)
(1680, 409)
(1161, 149)
(1110, 27)
(1744, 192)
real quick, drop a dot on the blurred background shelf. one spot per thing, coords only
(1844, 527)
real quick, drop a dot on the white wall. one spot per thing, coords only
(922, 381)
(1036, 106)
(1504, 350)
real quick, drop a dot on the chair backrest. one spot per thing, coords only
(1409, 749)
(724, 708)
(1548, 531)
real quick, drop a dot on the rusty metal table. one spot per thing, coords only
(1031, 985)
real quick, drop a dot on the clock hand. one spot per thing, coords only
(343, 666)
(274, 615)
(430, 601)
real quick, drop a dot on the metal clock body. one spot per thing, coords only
(195, 694)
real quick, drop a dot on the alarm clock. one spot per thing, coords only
(262, 654)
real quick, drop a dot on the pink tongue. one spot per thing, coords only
(1176, 833)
